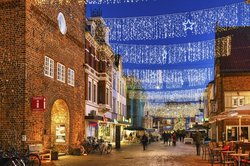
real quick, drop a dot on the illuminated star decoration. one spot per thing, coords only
(188, 25)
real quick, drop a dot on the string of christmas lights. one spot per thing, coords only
(245, 10)
(177, 25)
(165, 54)
(97, 2)
(175, 110)
(176, 96)
(171, 79)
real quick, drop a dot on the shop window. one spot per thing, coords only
(233, 131)
(104, 131)
(60, 133)
(244, 133)
(49, 67)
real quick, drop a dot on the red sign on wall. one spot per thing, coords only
(38, 103)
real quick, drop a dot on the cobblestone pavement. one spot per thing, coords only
(157, 154)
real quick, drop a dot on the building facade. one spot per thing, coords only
(98, 75)
(42, 81)
(119, 101)
(232, 76)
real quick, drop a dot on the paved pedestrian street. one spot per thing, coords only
(157, 154)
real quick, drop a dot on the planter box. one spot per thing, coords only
(54, 155)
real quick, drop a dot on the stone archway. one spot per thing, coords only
(60, 126)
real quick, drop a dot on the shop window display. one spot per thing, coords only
(60, 133)
(104, 131)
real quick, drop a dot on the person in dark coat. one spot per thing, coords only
(174, 138)
(164, 137)
(144, 141)
(198, 138)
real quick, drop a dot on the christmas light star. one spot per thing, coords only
(188, 25)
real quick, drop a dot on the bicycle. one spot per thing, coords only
(13, 158)
(107, 148)
(9, 158)
(91, 145)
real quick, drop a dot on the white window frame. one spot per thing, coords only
(236, 101)
(48, 67)
(60, 72)
(243, 101)
(71, 77)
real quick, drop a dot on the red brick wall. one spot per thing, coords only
(43, 38)
(12, 69)
(240, 82)
(236, 83)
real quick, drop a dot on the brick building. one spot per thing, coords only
(232, 78)
(41, 72)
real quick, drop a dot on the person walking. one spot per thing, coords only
(174, 139)
(168, 135)
(198, 138)
(164, 137)
(144, 141)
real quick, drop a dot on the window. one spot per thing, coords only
(90, 56)
(94, 93)
(71, 77)
(235, 101)
(238, 101)
(114, 105)
(89, 92)
(117, 107)
(60, 72)
(107, 95)
(223, 46)
(120, 88)
(49, 67)
(114, 81)
(120, 109)
(241, 101)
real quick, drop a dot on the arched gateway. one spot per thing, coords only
(60, 126)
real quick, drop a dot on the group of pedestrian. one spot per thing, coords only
(169, 138)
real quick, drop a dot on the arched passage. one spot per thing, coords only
(60, 125)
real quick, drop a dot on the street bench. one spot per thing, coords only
(44, 154)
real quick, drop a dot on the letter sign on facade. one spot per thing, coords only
(38, 103)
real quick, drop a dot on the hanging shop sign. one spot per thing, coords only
(38, 103)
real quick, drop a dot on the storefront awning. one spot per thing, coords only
(239, 112)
